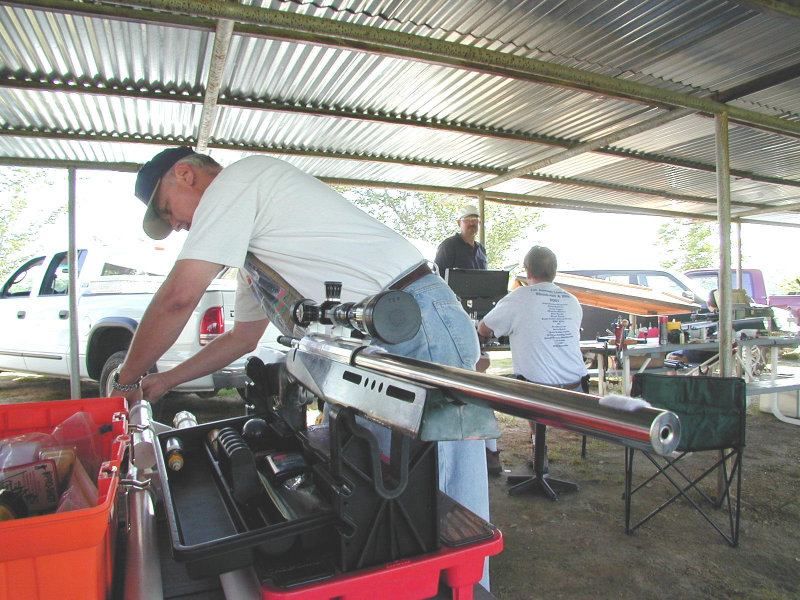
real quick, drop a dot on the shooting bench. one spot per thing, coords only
(755, 387)
(775, 387)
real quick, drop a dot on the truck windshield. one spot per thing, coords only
(112, 269)
(710, 281)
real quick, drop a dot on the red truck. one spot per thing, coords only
(753, 285)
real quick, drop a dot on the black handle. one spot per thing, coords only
(63, 314)
(21, 314)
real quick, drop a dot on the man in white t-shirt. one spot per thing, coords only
(543, 324)
(288, 233)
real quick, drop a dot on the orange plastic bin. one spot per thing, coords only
(66, 555)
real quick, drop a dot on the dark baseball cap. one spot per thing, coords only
(147, 182)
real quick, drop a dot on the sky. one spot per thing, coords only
(109, 214)
(594, 241)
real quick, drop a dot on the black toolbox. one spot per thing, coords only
(366, 511)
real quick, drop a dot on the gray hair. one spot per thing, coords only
(541, 263)
(201, 160)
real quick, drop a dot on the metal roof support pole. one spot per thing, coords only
(482, 215)
(222, 44)
(72, 265)
(737, 228)
(724, 221)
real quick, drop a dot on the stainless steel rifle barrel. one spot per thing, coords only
(649, 429)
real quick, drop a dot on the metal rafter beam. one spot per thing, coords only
(84, 136)
(663, 159)
(537, 201)
(519, 199)
(631, 189)
(764, 210)
(749, 87)
(41, 83)
(48, 163)
(303, 28)
(477, 169)
(758, 84)
(589, 146)
(775, 8)
(514, 199)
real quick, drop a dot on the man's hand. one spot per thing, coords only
(154, 386)
(484, 333)
(229, 346)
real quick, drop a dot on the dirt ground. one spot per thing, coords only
(576, 547)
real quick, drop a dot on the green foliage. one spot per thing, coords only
(432, 218)
(791, 285)
(506, 229)
(20, 218)
(687, 244)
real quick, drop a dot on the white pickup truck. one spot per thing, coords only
(34, 316)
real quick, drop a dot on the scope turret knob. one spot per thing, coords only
(333, 291)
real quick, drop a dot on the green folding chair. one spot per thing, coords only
(712, 413)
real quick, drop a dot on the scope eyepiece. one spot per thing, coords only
(305, 312)
(391, 316)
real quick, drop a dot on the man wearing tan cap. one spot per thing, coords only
(462, 250)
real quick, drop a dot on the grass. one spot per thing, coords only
(500, 366)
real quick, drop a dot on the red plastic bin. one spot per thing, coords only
(65, 555)
(413, 579)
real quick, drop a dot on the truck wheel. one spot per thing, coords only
(115, 360)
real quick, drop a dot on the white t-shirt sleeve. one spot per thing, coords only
(501, 318)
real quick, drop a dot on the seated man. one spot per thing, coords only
(543, 324)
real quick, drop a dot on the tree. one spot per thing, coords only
(21, 220)
(687, 245)
(790, 285)
(431, 217)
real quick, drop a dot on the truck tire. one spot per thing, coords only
(113, 361)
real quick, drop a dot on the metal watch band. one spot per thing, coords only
(125, 387)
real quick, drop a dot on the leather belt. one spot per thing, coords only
(565, 386)
(417, 273)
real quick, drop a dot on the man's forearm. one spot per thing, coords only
(157, 331)
(166, 316)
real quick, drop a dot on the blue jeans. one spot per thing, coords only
(448, 337)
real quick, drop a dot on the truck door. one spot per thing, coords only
(48, 320)
(15, 298)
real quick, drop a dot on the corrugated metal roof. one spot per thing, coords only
(435, 95)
